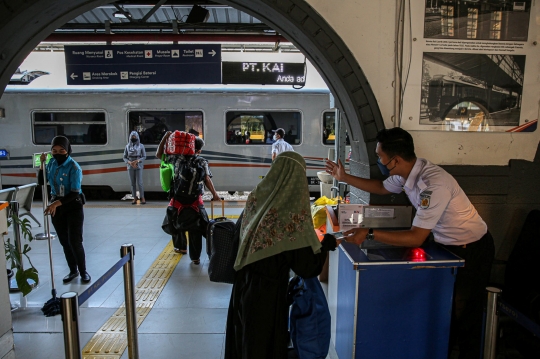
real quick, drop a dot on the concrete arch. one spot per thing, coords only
(295, 19)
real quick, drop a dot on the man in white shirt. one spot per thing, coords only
(443, 209)
(280, 145)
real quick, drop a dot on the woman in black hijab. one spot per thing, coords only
(66, 205)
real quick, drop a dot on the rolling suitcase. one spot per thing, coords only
(221, 248)
(211, 224)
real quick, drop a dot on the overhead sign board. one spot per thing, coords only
(264, 73)
(143, 64)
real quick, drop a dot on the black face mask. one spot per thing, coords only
(60, 158)
(133, 140)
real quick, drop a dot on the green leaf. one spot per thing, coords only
(22, 277)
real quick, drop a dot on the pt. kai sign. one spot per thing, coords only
(264, 73)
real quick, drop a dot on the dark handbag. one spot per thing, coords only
(168, 221)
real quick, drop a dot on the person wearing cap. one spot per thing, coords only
(280, 145)
(66, 206)
(442, 208)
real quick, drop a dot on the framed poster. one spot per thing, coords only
(469, 68)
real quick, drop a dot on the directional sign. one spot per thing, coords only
(264, 73)
(143, 64)
(4, 153)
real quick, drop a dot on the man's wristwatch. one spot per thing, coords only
(370, 236)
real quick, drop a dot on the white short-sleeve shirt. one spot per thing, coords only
(281, 146)
(441, 205)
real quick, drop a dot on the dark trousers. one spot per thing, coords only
(180, 241)
(470, 295)
(68, 224)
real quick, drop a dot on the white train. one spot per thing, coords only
(235, 123)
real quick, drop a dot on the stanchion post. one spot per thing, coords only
(45, 200)
(14, 207)
(492, 321)
(131, 310)
(69, 308)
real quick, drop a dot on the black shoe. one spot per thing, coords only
(85, 277)
(70, 276)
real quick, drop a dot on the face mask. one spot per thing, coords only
(60, 158)
(275, 137)
(133, 140)
(384, 170)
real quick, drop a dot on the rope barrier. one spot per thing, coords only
(103, 279)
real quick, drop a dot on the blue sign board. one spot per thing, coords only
(4, 153)
(143, 64)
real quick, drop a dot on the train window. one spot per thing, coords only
(152, 125)
(329, 129)
(255, 127)
(81, 128)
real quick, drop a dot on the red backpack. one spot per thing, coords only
(180, 143)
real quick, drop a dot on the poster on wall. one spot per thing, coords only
(475, 68)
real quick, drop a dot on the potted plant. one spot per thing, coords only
(13, 257)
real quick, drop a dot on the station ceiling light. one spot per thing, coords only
(121, 15)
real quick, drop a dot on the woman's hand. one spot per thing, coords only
(215, 197)
(42, 159)
(51, 208)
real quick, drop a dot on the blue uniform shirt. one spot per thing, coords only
(64, 178)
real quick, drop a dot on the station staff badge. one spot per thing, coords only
(425, 198)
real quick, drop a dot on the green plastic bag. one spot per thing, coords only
(166, 173)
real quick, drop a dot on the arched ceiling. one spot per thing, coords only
(294, 19)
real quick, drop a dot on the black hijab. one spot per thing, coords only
(62, 142)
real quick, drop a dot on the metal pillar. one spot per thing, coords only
(69, 308)
(131, 310)
(492, 320)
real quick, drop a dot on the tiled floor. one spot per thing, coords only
(187, 321)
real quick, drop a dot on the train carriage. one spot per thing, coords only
(235, 123)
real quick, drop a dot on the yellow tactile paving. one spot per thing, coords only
(111, 339)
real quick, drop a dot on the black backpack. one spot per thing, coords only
(189, 182)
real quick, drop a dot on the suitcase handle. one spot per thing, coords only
(222, 208)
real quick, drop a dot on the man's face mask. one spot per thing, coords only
(133, 139)
(275, 137)
(385, 170)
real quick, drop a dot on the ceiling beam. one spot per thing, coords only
(160, 37)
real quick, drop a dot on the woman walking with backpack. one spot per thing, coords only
(134, 155)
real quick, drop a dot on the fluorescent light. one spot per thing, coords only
(120, 15)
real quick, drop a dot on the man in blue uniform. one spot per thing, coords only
(442, 209)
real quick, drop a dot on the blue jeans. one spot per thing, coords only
(135, 176)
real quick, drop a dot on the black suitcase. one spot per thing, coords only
(221, 247)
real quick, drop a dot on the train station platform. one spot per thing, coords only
(186, 319)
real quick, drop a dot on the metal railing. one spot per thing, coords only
(495, 305)
(71, 301)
